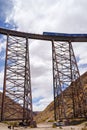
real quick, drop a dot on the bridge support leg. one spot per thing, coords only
(68, 90)
(17, 97)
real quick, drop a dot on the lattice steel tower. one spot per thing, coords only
(69, 102)
(17, 98)
(69, 98)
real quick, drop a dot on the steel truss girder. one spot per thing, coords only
(17, 98)
(69, 102)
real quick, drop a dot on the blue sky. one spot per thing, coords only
(37, 17)
(5, 8)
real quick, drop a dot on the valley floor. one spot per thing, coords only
(44, 126)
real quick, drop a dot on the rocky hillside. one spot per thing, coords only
(48, 113)
(16, 111)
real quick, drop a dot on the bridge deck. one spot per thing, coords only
(47, 36)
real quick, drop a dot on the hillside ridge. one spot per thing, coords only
(48, 113)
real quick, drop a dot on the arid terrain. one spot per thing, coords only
(48, 113)
(44, 126)
(46, 116)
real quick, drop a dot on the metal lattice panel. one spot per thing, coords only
(17, 99)
(68, 101)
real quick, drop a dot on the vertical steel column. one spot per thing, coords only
(27, 87)
(73, 93)
(4, 84)
(54, 89)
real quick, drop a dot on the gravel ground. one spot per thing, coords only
(44, 126)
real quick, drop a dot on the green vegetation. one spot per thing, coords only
(77, 121)
(12, 123)
(85, 127)
(50, 120)
(54, 125)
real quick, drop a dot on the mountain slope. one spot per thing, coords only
(48, 113)
(13, 108)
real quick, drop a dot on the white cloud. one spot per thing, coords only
(49, 15)
(80, 50)
(55, 16)
(42, 103)
(1, 79)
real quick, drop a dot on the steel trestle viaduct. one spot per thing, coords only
(69, 102)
